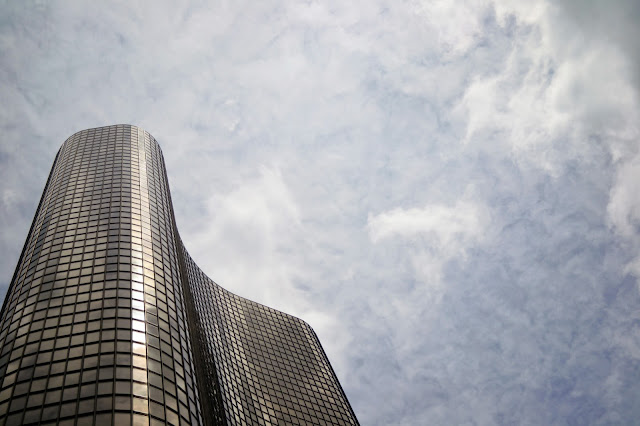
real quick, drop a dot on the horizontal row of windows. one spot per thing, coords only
(127, 409)
(139, 301)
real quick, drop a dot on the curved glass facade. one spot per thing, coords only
(109, 321)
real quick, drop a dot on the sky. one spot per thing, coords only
(444, 190)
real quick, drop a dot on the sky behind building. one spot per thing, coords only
(446, 191)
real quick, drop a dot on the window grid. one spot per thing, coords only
(109, 321)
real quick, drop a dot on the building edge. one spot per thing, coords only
(26, 243)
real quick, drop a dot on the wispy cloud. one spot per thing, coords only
(434, 234)
(443, 224)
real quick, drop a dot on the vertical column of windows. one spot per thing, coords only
(208, 379)
(163, 372)
(140, 251)
(168, 274)
(179, 332)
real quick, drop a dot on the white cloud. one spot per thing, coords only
(430, 237)
(543, 104)
(239, 239)
(458, 25)
(442, 224)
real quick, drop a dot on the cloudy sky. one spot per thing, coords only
(443, 189)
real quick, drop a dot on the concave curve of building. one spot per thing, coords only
(108, 320)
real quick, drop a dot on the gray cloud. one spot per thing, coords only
(446, 192)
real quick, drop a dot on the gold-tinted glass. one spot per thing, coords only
(109, 321)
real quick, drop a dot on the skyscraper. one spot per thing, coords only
(109, 321)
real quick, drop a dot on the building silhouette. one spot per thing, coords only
(108, 320)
